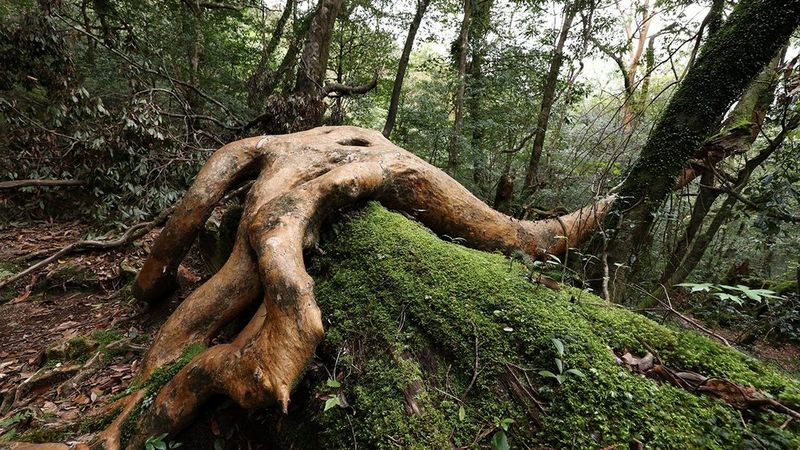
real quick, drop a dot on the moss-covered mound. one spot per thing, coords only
(405, 312)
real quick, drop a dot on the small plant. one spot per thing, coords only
(158, 443)
(737, 294)
(500, 439)
(333, 400)
(7, 431)
(562, 374)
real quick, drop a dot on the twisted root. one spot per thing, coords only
(302, 178)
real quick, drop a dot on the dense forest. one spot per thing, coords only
(419, 224)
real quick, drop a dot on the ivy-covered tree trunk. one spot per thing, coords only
(738, 132)
(476, 82)
(730, 59)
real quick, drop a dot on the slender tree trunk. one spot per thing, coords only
(531, 183)
(422, 6)
(478, 29)
(730, 59)
(194, 50)
(628, 107)
(504, 195)
(698, 248)
(701, 208)
(257, 83)
(701, 243)
(458, 123)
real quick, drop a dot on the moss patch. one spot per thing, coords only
(403, 308)
(152, 384)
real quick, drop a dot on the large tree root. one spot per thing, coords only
(302, 178)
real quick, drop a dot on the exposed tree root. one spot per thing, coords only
(302, 178)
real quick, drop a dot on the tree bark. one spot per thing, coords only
(481, 21)
(402, 66)
(531, 183)
(730, 59)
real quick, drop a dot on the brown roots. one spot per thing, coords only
(301, 179)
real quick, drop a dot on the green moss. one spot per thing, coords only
(107, 336)
(403, 309)
(152, 384)
(95, 423)
(162, 375)
(783, 287)
(48, 434)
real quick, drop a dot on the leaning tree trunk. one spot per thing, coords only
(739, 131)
(301, 179)
(397, 89)
(531, 183)
(731, 58)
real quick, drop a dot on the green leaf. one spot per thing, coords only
(560, 379)
(499, 441)
(160, 445)
(560, 365)
(331, 402)
(505, 423)
(462, 414)
(697, 287)
(547, 373)
(576, 372)
(559, 346)
(333, 383)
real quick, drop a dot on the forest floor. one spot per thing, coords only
(71, 336)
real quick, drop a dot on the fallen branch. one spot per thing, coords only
(130, 235)
(14, 184)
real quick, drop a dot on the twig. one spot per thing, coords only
(130, 235)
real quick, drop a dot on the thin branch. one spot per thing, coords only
(14, 184)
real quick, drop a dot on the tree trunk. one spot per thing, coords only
(422, 331)
(454, 145)
(531, 183)
(257, 84)
(481, 22)
(730, 59)
(628, 106)
(314, 59)
(394, 103)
